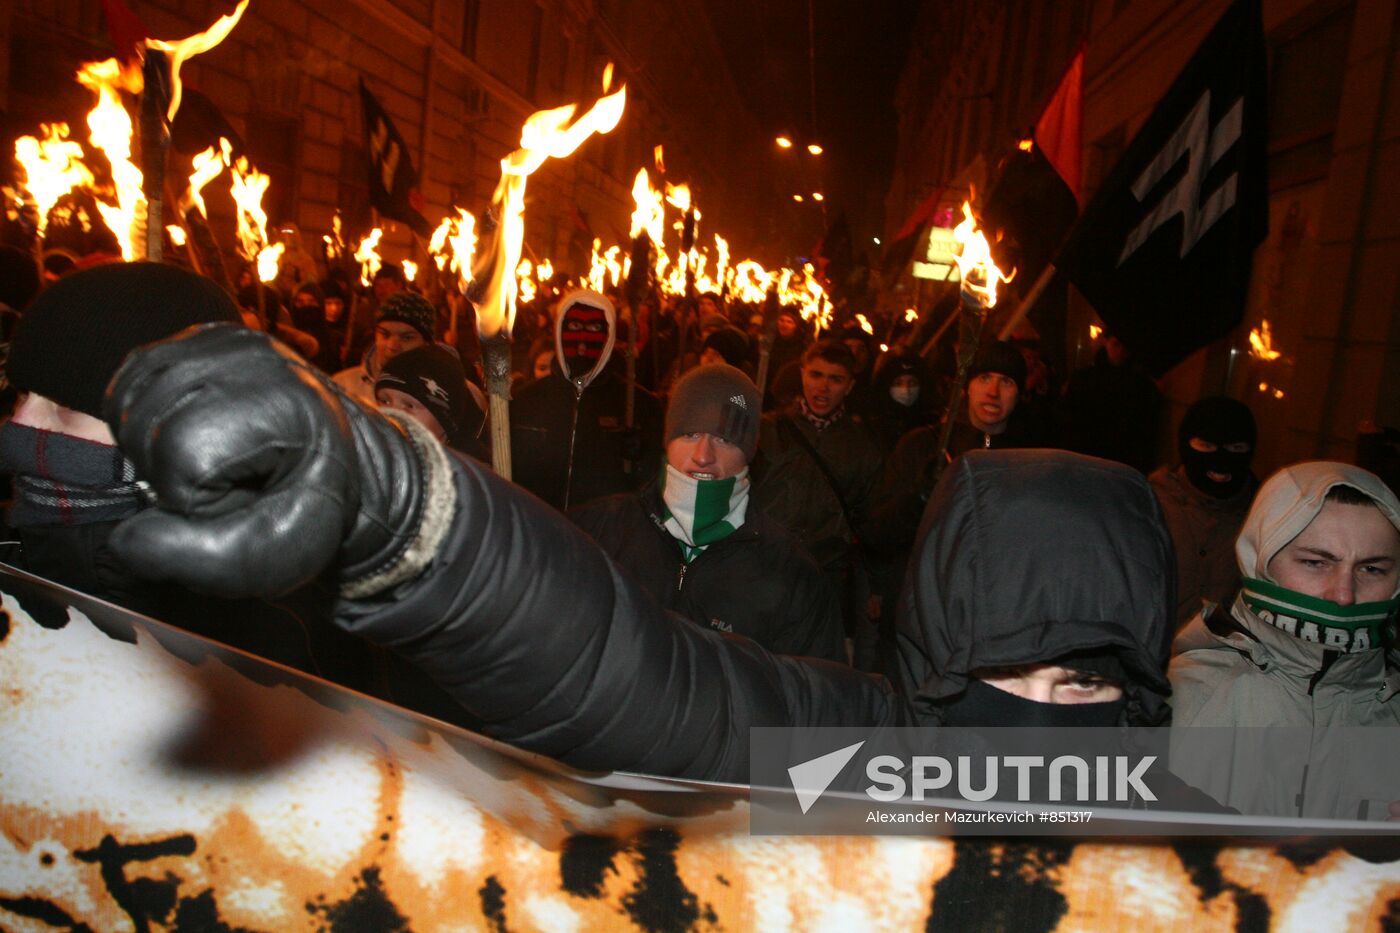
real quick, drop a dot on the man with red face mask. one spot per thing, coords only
(583, 408)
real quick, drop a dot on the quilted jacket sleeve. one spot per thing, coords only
(530, 626)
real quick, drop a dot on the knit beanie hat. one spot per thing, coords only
(433, 376)
(1002, 358)
(716, 399)
(730, 343)
(412, 309)
(78, 331)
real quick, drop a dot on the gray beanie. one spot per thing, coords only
(716, 399)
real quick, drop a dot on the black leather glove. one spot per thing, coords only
(265, 474)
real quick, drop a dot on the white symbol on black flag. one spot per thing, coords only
(393, 182)
(1163, 252)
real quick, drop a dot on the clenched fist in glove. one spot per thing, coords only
(265, 475)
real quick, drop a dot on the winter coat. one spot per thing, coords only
(795, 492)
(1203, 530)
(1237, 670)
(756, 582)
(608, 457)
(531, 627)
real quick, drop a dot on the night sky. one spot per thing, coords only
(860, 51)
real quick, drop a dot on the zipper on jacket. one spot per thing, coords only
(680, 580)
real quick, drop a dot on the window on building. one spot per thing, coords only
(1305, 91)
(471, 18)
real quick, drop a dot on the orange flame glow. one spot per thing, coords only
(53, 167)
(176, 234)
(650, 214)
(410, 269)
(367, 255)
(248, 186)
(110, 129)
(865, 324)
(546, 134)
(910, 316)
(1261, 343)
(1095, 331)
(979, 272)
(182, 50)
(207, 166)
(453, 245)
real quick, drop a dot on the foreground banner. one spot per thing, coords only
(152, 780)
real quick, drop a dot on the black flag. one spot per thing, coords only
(393, 184)
(1163, 251)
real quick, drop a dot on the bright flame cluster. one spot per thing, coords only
(1261, 343)
(453, 246)
(978, 271)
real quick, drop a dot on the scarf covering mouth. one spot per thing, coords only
(699, 512)
(60, 479)
(1349, 629)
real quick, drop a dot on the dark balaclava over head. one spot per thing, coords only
(1222, 423)
(584, 331)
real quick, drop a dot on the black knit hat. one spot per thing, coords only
(433, 376)
(730, 343)
(75, 335)
(412, 309)
(716, 399)
(1002, 358)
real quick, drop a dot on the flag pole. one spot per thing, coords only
(1028, 302)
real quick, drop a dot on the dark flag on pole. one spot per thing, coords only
(393, 183)
(1163, 251)
(834, 262)
(900, 250)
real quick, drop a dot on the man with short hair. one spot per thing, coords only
(819, 467)
(698, 543)
(1303, 646)
(404, 321)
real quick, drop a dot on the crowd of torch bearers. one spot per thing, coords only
(490, 281)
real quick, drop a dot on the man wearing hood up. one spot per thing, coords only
(1303, 646)
(531, 628)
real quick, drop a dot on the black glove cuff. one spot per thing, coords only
(439, 504)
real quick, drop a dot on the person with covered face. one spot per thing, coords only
(1302, 652)
(1020, 583)
(1205, 498)
(570, 442)
(698, 543)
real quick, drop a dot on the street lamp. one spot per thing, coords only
(814, 149)
(783, 142)
(818, 196)
(797, 198)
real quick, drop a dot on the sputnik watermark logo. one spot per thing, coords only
(810, 779)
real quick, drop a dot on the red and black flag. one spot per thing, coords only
(1163, 252)
(900, 250)
(393, 182)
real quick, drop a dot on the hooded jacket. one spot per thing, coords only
(528, 625)
(1067, 579)
(1237, 670)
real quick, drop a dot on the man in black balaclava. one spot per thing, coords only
(1205, 499)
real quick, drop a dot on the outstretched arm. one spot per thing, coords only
(266, 477)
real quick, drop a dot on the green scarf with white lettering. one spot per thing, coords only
(699, 512)
(1349, 629)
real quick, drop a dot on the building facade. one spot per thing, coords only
(1327, 278)
(458, 78)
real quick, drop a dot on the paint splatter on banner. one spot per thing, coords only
(150, 780)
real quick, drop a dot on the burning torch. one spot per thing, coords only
(980, 277)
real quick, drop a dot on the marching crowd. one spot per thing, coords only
(715, 522)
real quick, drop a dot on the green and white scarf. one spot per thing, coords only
(699, 512)
(1349, 629)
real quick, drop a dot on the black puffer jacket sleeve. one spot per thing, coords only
(530, 626)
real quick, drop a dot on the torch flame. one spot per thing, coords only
(1094, 331)
(176, 234)
(659, 156)
(268, 259)
(525, 283)
(546, 134)
(367, 256)
(110, 127)
(410, 269)
(182, 50)
(1261, 343)
(976, 267)
(650, 215)
(910, 316)
(207, 166)
(53, 167)
(453, 245)
(544, 271)
(865, 324)
(678, 196)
